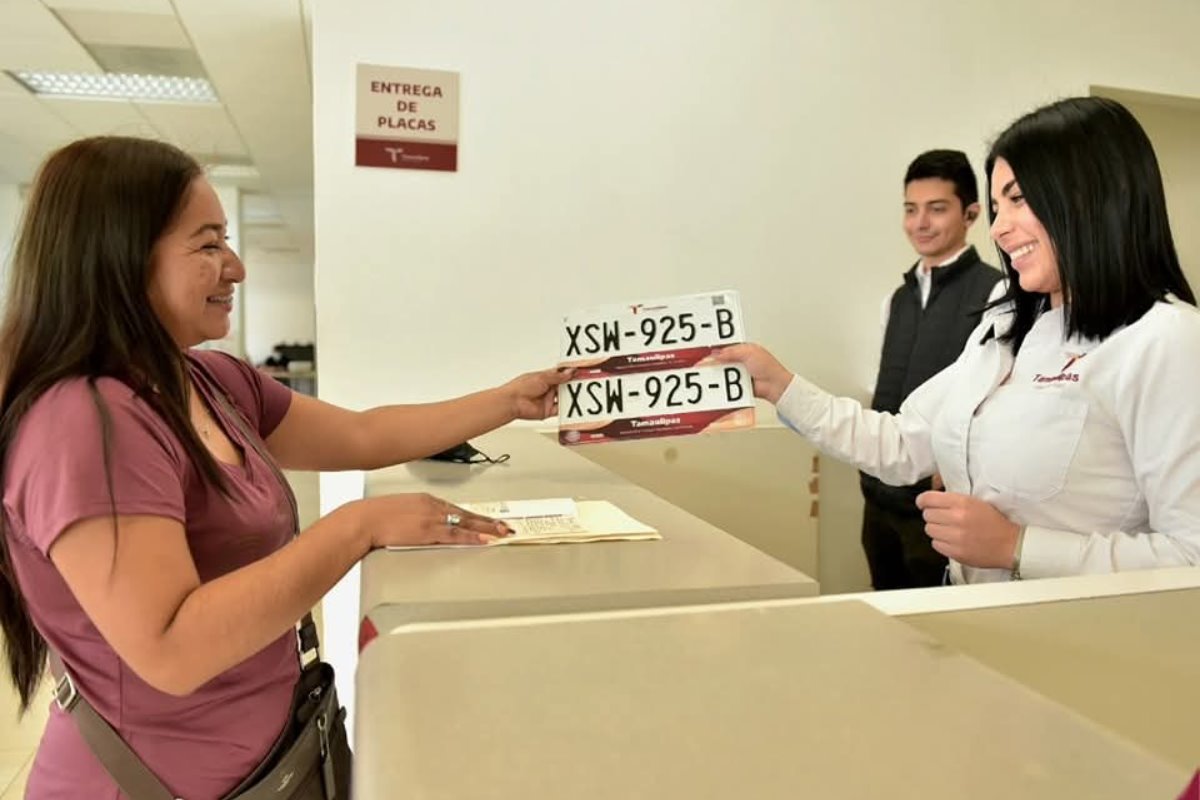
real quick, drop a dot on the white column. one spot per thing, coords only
(340, 606)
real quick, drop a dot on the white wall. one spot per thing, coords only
(627, 149)
(279, 302)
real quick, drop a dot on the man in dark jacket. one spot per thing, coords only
(926, 324)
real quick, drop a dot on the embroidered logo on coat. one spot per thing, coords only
(1063, 376)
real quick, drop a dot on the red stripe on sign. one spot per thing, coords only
(644, 362)
(651, 427)
(366, 633)
(405, 155)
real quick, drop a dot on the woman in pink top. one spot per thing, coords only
(144, 539)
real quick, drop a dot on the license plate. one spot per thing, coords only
(669, 403)
(652, 335)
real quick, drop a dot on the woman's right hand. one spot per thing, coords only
(770, 377)
(415, 519)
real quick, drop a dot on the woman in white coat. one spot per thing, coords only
(1068, 432)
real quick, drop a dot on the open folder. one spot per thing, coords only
(557, 521)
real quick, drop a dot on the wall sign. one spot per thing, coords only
(406, 118)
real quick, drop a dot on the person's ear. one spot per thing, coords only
(972, 213)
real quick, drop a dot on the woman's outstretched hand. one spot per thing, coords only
(534, 395)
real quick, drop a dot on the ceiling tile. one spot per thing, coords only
(137, 30)
(102, 117)
(129, 6)
(35, 125)
(255, 53)
(10, 85)
(32, 38)
(204, 130)
(260, 68)
(130, 60)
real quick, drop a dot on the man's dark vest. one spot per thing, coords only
(921, 342)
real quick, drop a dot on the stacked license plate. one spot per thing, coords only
(643, 370)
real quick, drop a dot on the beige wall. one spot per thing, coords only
(1174, 128)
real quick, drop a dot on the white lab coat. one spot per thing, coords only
(1093, 445)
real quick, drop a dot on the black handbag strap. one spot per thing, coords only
(127, 770)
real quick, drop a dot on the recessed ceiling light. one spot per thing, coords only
(118, 86)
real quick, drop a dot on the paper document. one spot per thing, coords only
(557, 521)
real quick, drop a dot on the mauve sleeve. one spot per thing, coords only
(263, 399)
(57, 471)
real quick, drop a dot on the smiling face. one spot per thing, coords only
(193, 271)
(934, 219)
(1020, 234)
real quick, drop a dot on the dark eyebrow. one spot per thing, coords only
(1006, 190)
(218, 228)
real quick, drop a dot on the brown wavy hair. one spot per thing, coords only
(77, 306)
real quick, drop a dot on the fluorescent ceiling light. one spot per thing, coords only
(118, 86)
(233, 172)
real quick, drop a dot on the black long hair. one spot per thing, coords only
(1089, 174)
(77, 307)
